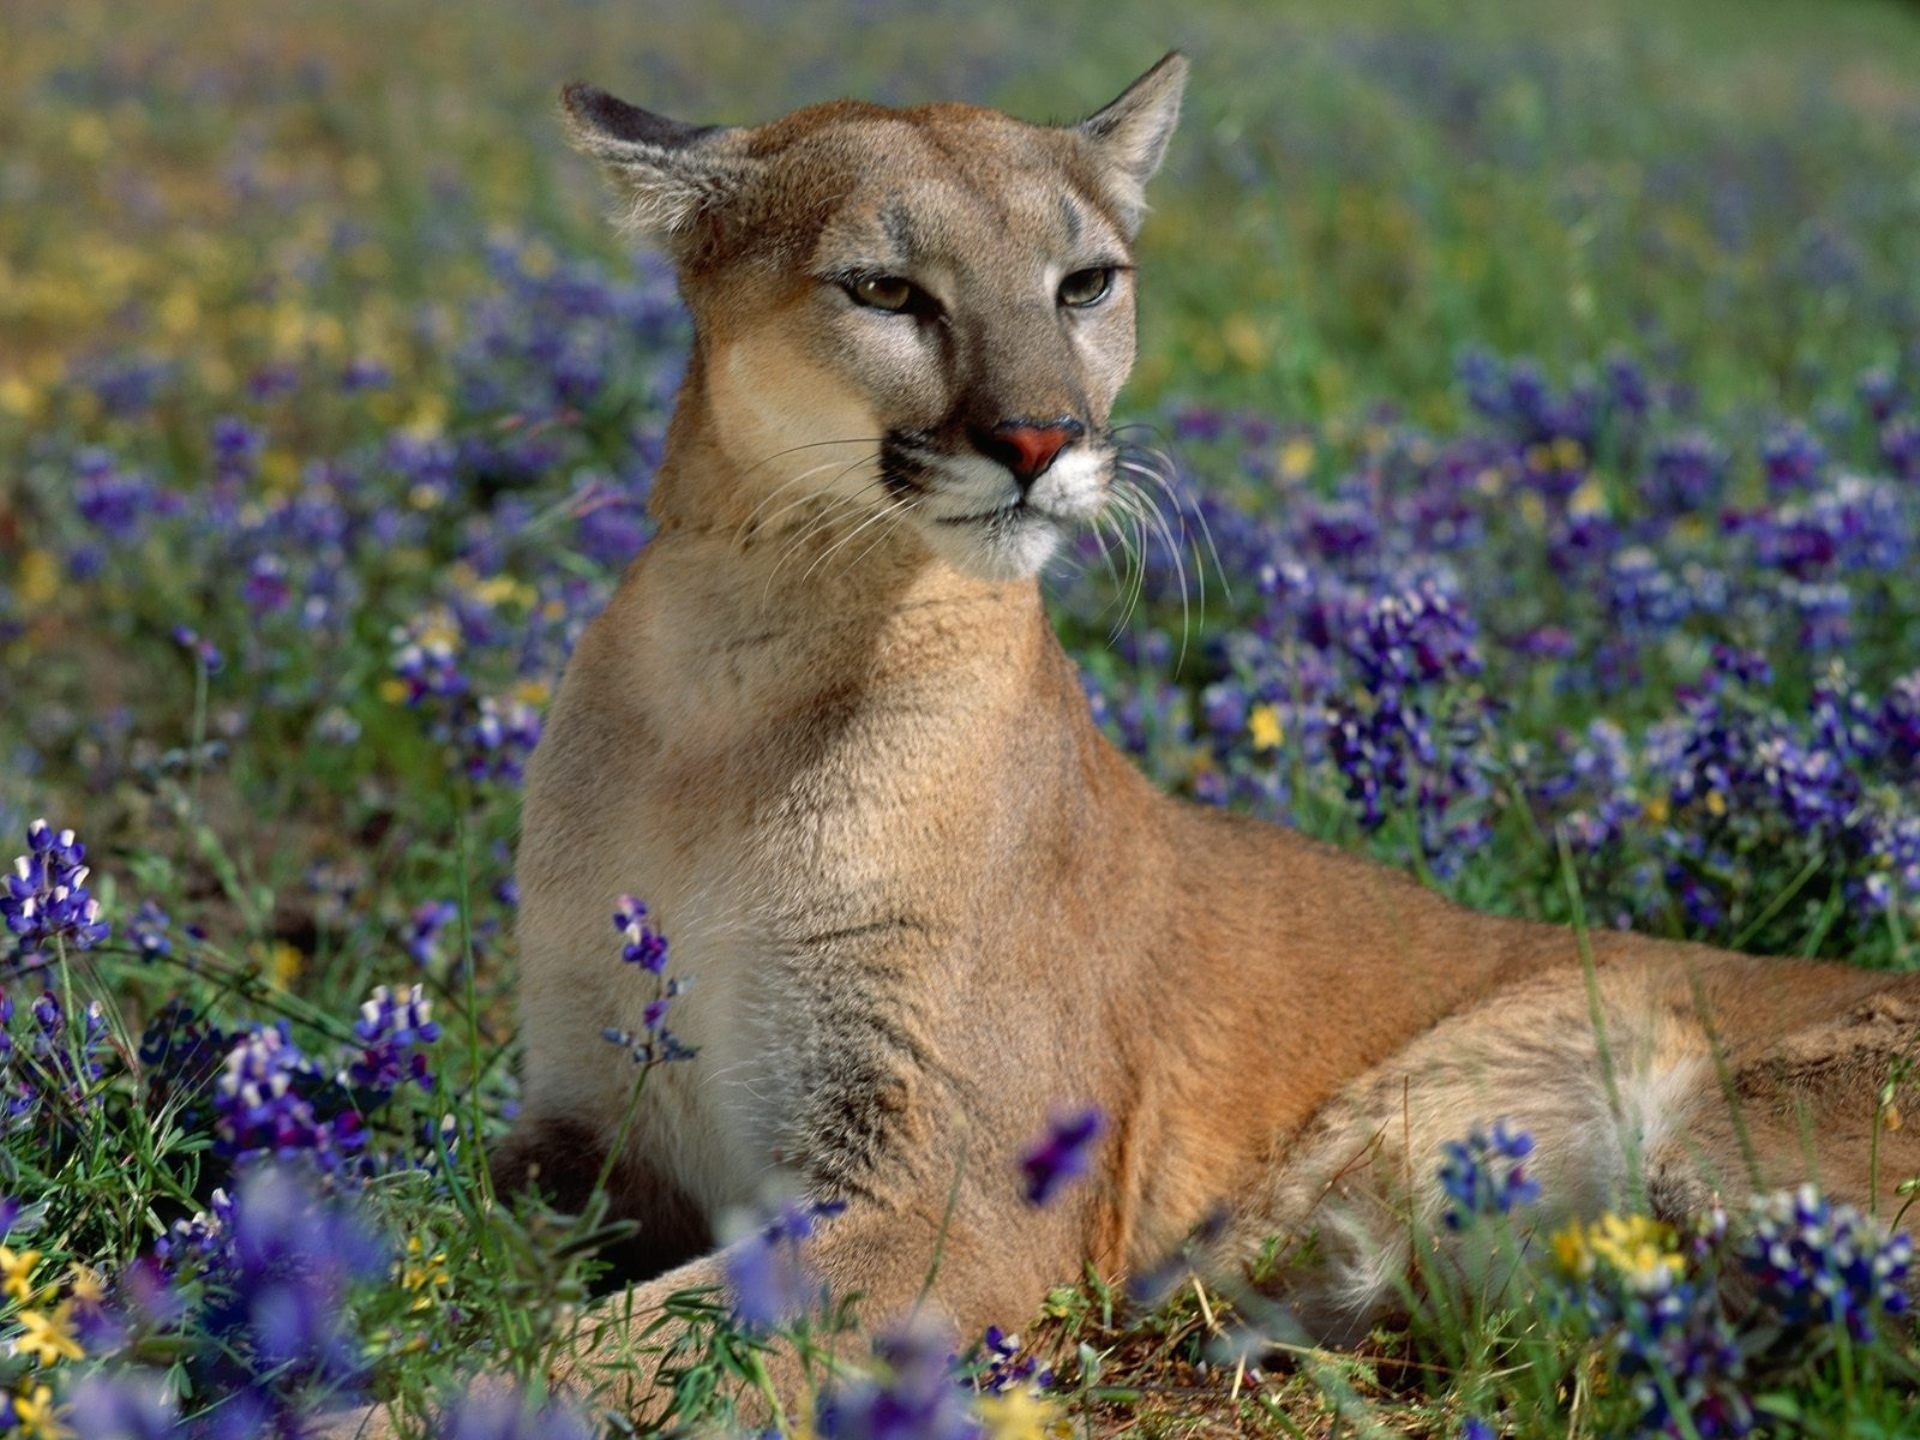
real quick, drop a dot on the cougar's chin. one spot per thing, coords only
(975, 517)
(1012, 543)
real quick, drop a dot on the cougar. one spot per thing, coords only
(825, 730)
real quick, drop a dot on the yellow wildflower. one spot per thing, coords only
(500, 589)
(34, 1412)
(1589, 499)
(39, 578)
(429, 417)
(1264, 728)
(1716, 803)
(1296, 458)
(16, 1267)
(88, 1285)
(48, 1337)
(1638, 1249)
(89, 136)
(393, 691)
(424, 1274)
(1568, 453)
(281, 962)
(1021, 1415)
(538, 259)
(1243, 341)
(18, 397)
(533, 692)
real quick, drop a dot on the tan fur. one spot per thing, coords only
(923, 900)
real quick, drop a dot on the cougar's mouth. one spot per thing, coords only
(998, 514)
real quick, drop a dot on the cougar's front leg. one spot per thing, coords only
(885, 1257)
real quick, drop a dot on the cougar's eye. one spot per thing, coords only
(1086, 287)
(891, 293)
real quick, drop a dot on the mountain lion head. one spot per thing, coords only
(919, 314)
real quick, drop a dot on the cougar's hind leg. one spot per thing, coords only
(1811, 1103)
(562, 1159)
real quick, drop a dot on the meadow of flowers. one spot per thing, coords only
(1526, 490)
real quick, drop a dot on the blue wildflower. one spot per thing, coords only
(424, 927)
(641, 945)
(46, 901)
(1062, 1154)
(767, 1275)
(149, 931)
(912, 1394)
(122, 1405)
(392, 1030)
(1487, 1174)
(266, 1104)
(1819, 1264)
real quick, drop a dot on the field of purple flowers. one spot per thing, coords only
(327, 420)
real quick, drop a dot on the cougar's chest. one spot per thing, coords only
(753, 826)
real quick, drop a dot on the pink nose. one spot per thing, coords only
(1027, 450)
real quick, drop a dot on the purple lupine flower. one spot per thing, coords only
(122, 1405)
(278, 1271)
(1675, 1338)
(912, 1396)
(236, 449)
(55, 1075)
(180, 1053)
(1062, 1154)
(201, 1240)
(1486, 1174)
(1819, 1264)
(1005, 1365)
(767, 1276)
(427, 667)
(392, 1029)
(363, 374)
(1687, 475)
(115, 502)
(1900, 446)
(46, 901)
(496, 742)
(641, 944)
(424, 928)
(264, 1105)
(1899, 722)
(266, 590)
(645, 947)
(204, 652)
(149, 931)
(1793, 458)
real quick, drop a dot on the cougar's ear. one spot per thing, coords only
(1129, 138)
(671, 174)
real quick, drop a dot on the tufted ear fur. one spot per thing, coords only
(670, 173)
(1129, 138)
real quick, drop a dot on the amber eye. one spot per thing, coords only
(1086, 287)
(891, 293)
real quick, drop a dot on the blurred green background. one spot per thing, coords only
(1728, 187)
